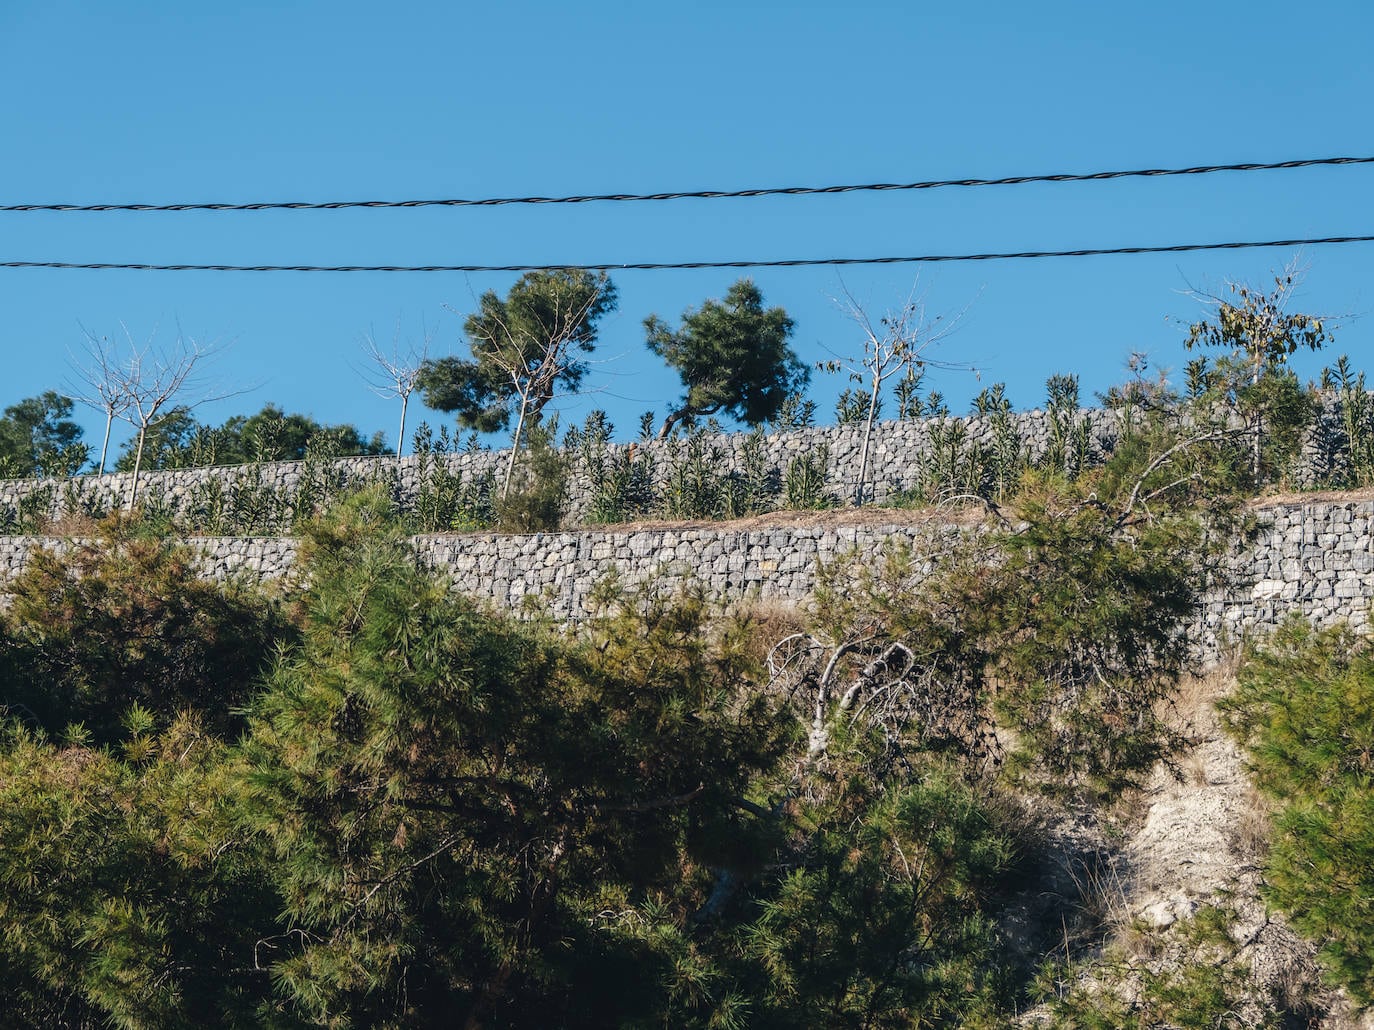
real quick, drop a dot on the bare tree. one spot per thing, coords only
(142, 387)
(897, 345)
(903, 677)
(152, 378)
(396, 374)
(101, 382)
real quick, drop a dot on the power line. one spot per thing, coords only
(774, 191)
(654, 266)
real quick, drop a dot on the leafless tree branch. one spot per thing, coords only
(899, 344)
(396, 373)
(140, 386)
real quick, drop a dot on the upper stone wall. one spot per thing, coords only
(897, 453)
(902, 455)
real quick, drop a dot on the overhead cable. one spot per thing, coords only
(653, 266)
(773, 191)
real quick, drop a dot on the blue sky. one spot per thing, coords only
(163, 102)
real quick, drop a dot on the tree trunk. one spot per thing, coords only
(671, 420)
(105, 443)
(401, 433)
(1259, 421)
(868, 435)
(515, 444)
(138, 464)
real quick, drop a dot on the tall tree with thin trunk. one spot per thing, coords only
(151, 380)
(896, 345)
(395, 374)
(1261, 334)
(101, 383)
(524, 347)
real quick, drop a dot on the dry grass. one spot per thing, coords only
(72, 526)
(1190, 709)
(1103, 908)
(1193, 768)
(1253, 828)
(770, 621)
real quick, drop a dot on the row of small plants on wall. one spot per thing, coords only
(695, 474)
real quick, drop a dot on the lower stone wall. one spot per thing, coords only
(558, 572)
(1315, 557)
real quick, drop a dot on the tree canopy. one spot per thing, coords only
(1258, 334)
(179, 441)
(124, 619)
(37, 435)
(732, 357)
(1258, 329)
(523, 348)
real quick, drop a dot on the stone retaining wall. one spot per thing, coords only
(1315, 557)
(902, 454)
(896, 453)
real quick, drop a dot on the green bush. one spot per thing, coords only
(882, 915)
(126, 897)
(1200, 981)
(127, 618)
(538, 490)
(1304, 709)
(1084, 611)
(621, 479)
(803, 487)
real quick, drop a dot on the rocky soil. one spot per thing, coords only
(1193, 838)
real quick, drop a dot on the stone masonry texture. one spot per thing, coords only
(896, 453)
(1315, 558)
(900, 451)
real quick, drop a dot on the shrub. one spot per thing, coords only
(535, 500)
(1199, 980)
(1084, 617)
(804, 484)
(125, 898)
(1304, 709)
(454, 801)
(621, 479)
(127, 618)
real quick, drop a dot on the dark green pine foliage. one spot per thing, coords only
(127, 618)
(1085, 618)
(126, 898)
(882, 914)
(524, 347)
(1087, 599)
(459, 809)
(1304, 709)
(733, 357)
